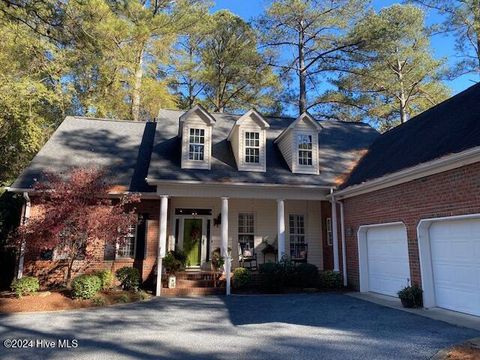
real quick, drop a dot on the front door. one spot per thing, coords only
(192, 241)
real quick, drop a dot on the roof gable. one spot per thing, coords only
(251, 114)
(304, 118)
(200, 112)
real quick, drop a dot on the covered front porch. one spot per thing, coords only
(250, 225)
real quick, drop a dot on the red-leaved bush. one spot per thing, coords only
(77, 216)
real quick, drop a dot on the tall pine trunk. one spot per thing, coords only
(137, 87)
(302, 72)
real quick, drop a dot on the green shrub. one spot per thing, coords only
(330, 280)
(171, 264)
(86, 286)
(129, 278)
(241, 278)
(276, 276)
(124, 298)
(306, 275)
(106, 277)
(25, 285)
(411, 296)
(142, 295)
(99, 301)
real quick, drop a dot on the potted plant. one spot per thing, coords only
(174, 262)
(217, 263)
(411, 296)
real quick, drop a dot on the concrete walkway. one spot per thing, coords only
(310, 326)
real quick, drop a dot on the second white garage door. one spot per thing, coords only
(455, 253)
(387, 257)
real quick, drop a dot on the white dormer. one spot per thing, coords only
(195, 132)
(299, 145)
(248, 141)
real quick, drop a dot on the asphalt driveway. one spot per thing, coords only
(313, 326)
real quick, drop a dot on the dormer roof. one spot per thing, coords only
(255, 116)
(201, 112)
(303, 117)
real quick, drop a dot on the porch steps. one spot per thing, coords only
(195, 283)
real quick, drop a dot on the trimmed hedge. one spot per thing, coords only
(25, 285)
(330, 280)
(86, 286)
(129, 278)
(107, 278)
(241, 278)
(306, 275)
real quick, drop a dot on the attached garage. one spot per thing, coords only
(450, 263)
(383, 255)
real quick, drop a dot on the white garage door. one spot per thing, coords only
(455, 249)
(387, 251)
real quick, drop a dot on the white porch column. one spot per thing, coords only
(25, 217)
(224, 231)
(281, 228)
(162, 240)
(336, 266)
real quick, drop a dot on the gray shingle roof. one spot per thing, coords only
(131, 151)
(450, 127)
(341, 145)
(112, 145)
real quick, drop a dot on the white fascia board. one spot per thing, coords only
(446, 163)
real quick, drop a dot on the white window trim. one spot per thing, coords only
(135, 239)
(244, 233)
(200, 129)
(207, 147)
(296, 166)
(253, 147)
(243, 164)
(304, 228)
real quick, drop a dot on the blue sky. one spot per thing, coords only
(442, 46)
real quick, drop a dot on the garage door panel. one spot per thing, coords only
(387, 254)
(455, 248)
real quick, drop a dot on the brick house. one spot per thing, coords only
(308, 188)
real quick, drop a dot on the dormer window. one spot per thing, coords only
(195, 132)
(248, 139)
(305, 150)
(299, 145)
(252, 147)
(196, 147)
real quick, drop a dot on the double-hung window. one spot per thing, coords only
(305, 150)
(297, 235)
(252, 147)
(126, 249)
(246, 232)
(196, 146)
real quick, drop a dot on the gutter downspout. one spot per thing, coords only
(335, 232)
(25, 217)
(344, 249)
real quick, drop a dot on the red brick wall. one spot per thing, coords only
(455, 192)
(52, 272)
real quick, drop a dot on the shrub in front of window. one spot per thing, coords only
(411, 296)
(86, 286)
(276, 276)
(107, 278)
(25, 286)
(306, 275)
(330, 280)
(241, 278)
(129, 278)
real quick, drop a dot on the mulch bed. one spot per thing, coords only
(463, 353)
(62, 300)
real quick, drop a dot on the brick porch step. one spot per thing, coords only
(185, 283)
(194, 291)
(197, 275)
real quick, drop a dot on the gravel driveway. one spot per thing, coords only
(310, 326)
